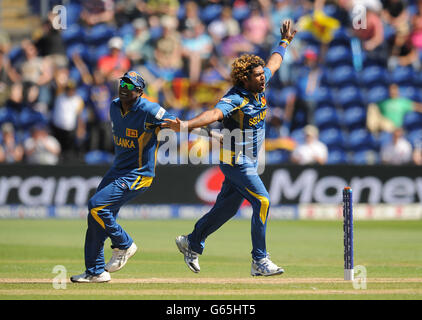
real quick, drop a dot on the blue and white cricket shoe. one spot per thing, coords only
(120, 257)
(191, 257)
(86, 278)
(265, 267)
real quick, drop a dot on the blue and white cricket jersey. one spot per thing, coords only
(133, 170)
(135, 138)
(246, 112)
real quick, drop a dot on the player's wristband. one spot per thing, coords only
(285, 41)
(280, 50)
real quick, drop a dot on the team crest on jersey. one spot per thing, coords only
(263, 101)
(131, 133)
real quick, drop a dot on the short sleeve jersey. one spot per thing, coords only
(244, 117)
(135, 135)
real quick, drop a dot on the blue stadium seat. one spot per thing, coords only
(75, 75)
(98, 157)
(28, 117)
(365, 157)
(336, 156)
(99, 34)
(95, 53)
(376, 94)
(73, 34)
(333, 138)
(8, 114)
(308, 38)
(342, 76)
(412, 120)
(83, 91)
(341, 37)
(339, 55)
(354, 117)
(300, 118)
(384, 137)
(409, 92)
(241, 13)
(15, 54)
(325, 117)
(73, 12)
(298, 135)
(374, 75)
(415, 137)
(79, 48)
(324, 95)
(210, 13)
(277, 157)
(125, 30)
(403, 76)
(349, 95)
(360, 139)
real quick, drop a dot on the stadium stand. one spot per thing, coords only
(350, 73)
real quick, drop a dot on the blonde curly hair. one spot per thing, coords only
(243, 66)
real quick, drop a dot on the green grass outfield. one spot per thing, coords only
(311, 253)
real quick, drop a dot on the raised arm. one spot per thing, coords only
(276, 58)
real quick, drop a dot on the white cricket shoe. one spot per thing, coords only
(191, 257)
(265, 267)
(86, 278)
(120, 257)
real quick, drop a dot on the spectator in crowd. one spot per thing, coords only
(99, 125)
(181, 51)
(67, 121)
(403, 53)
(10, 150)
(41, 148)
(197, 47)
(417, 153)
(140, 49)
(257, 26)
(97, 11)
(389, 114)
(372, 36)
(50, 44)
(8, 75)
(35, 71)
(226, 23)
(162, 7)
(114, 64)
(416, 21)
(398, 151)
(312, 151)
(191, 16)
(308, 84)
(396, 14)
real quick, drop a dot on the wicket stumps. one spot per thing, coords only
(348, 233)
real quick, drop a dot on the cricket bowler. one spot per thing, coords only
(244, 109)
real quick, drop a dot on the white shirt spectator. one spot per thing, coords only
(397, 152)
(41, 148)
(308, 153)
(66, 111)
(312, 151)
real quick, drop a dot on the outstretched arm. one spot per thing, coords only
(287, 36)
(202, 120)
